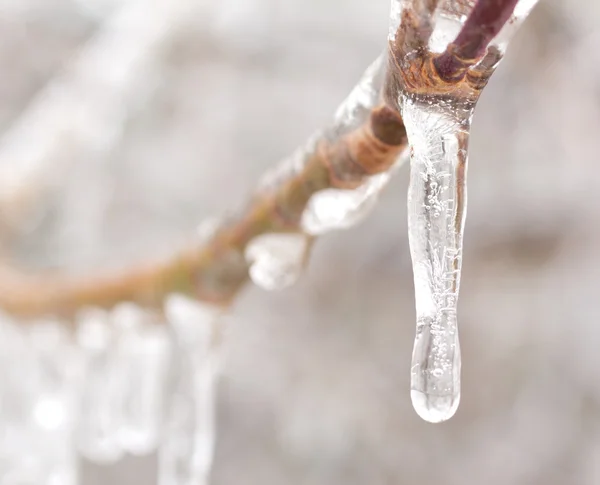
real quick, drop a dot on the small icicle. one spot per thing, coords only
(141, 357)
(276, 260)
(334, 209)
(186, 450)
(437, 135)
(97, 432)
(60, 367)
(36, 403)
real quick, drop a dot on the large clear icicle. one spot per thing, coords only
(186, 451)
(438, 131)
(437, 136)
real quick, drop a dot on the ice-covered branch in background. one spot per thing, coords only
(123, 383)
(444, 53)
(81, 112)
(342, 169)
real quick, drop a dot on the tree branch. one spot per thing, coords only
(216, 270)
(483, 24)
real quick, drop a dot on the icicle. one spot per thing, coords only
(437, 136)
(141, 357)
(36, 403)
(60, 368)
(186, 451)
(98, 426)
(437, 124)
(276, 260)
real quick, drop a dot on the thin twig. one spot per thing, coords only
(483, 24)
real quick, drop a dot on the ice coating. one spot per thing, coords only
(449, 17)
(365, 95)
(436, 210)
(276, 260)
(98, 420)
(522, 10)
(333, 209)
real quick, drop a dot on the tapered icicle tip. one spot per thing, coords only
(433, 408)
(435, 371)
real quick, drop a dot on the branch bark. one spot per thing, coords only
(483, 24)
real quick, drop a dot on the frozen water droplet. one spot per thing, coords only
(208, 228)
(276, 260)
(432, 408)
(436, 212)
(435, 393)
(333, 209)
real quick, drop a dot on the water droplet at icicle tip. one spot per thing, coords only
(436, 211)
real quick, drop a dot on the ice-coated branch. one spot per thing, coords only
(484, 23)
(216, 269)
(330, 183)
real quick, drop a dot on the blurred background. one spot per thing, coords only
(180, 110)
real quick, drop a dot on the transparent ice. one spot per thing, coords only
(36, 404)
(438, 131)
(97, 433)
(276, 260)
(123, 390)
(334, 209)
(436, 210)
(186, 449)
(142, 357)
